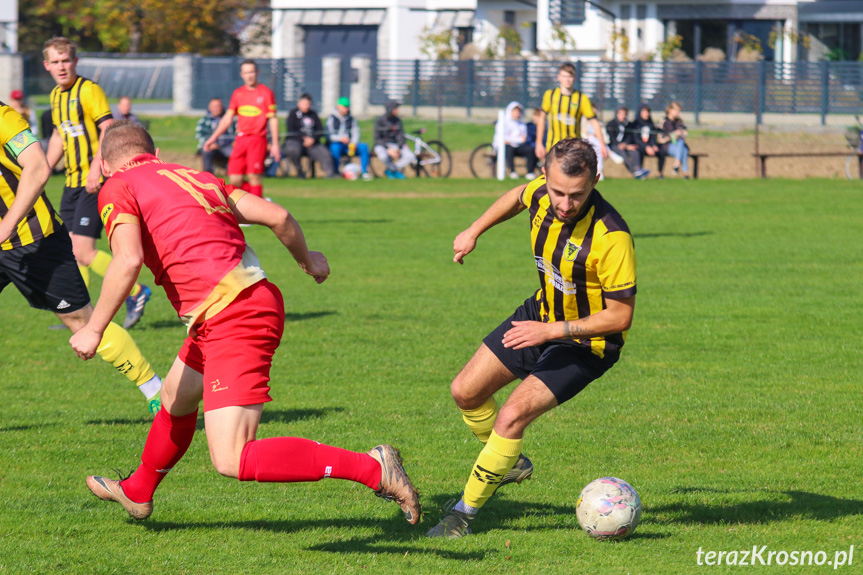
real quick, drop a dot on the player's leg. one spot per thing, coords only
(474, 387)
(256, 156)
(119, 349)
(170, 436)
(238, 164)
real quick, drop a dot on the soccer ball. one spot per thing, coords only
(608, 508)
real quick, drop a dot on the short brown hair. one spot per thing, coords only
(249, 61)
(674, 105)
(569, 68)
(62, 46)
(574, 157)
(125, 138)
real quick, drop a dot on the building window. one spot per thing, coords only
(566, 11)
(464, 36)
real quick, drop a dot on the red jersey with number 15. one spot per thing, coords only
(192, 240)
(253, 108)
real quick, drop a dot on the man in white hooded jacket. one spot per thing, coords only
(515, 140)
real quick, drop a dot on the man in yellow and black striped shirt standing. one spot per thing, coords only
(80, 113)
(36, 252)
(562, 111)
(563, 337)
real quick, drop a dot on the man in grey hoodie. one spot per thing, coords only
(390, 145)
(344, 134)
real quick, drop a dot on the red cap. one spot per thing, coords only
(17, 95)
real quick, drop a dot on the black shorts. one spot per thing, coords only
(46, 274)
(80, 212)
(565, 368)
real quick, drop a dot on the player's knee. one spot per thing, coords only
(225, 464)
(464, 395)
(512, 421)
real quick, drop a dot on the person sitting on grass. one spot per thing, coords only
(390, 147)
(344, 136)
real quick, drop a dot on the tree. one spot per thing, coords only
(172, 26)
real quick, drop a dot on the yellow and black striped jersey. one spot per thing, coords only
(15, 137)
(77, 113)
(564, 115)
(581, 263)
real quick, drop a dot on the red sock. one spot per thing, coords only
(256, 190)
(246, 187)
(293, 459)
(168, 440)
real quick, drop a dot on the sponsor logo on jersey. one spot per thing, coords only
(554, 276)
(249, 111)
(570, 251)
(106, 213)
(71, 130)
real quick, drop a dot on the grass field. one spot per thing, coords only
(735, 410)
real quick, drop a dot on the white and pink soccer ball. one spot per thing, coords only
(608, 508)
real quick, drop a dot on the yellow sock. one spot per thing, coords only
(494, 462)
(481, 420)
(100, 262)
(119, 349)
(85, 273)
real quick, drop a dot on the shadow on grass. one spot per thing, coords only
(268, 416)
(308, 315)
(165, 324)
(803, 504)
(26, 427)
(671, 235)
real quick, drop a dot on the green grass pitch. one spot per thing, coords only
(735, 410)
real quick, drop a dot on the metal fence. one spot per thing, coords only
(821, 88)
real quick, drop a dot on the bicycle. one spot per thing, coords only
(433, 157)
(483, 161)
(854, 138)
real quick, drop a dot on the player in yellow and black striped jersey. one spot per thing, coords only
(563, 337)
(36, 254)
(562, 111)
(80, 113)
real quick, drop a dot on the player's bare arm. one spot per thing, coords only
(275, 148)
(55, 149)
(615, 318)
(505, 207)
(95, 174)
(223, 126)
(540, 136)
(119, 279)
(34, 175)
(254, 210)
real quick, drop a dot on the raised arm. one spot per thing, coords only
(505, 207)
(254, 210)
(34, 175)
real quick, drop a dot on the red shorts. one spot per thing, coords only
(234, 349)
(248, 155)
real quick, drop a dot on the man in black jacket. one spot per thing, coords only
(623, 143)
(390, 145)
(305, 132)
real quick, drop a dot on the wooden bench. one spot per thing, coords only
(693, 157)
(763, 158)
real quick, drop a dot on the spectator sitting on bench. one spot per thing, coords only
(390, 147)
(344, 136)
(674, 128)
(305, 132)
(646, 137)
(622, 143)
(220, 150)
(515, 139)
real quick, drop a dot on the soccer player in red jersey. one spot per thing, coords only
(184, 225)
(255, 107)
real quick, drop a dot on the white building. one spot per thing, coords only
(392, 29)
